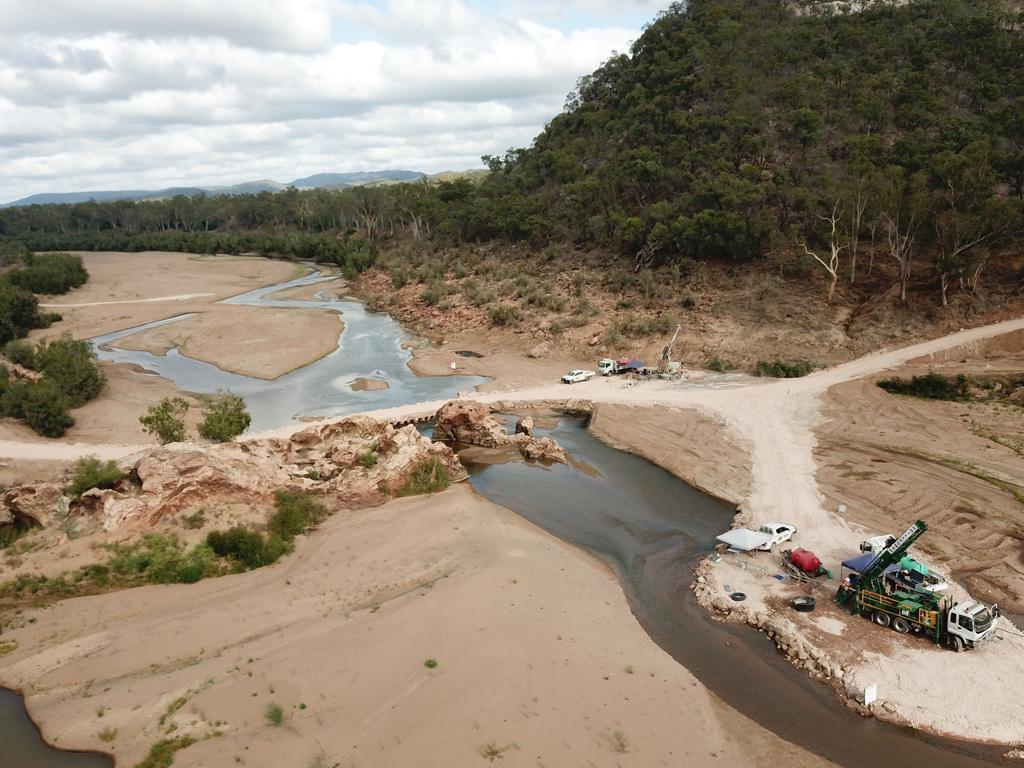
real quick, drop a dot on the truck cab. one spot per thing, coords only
(971, 623)
(606, 367)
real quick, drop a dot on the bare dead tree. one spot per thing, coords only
(900, 232)
(835, 248)
(860, 203)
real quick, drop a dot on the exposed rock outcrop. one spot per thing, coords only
(471, 423)
(356, 462)
(32, 505)
(524, 425)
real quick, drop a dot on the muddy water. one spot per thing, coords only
(369, 347)
(650, 527)
(21, 746)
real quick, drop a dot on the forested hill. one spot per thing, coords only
(733, 130)
(733, 125)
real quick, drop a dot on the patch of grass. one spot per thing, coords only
(107, 735)
(274, 714)
(8, 646)
(619, 742)
(784, 369)
(161, 754)
(430, 663)
(194, 521)
(368, 459)
(429, 476)
(173, 707)
(322, 760)
(491, 751)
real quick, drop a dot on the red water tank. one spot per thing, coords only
(805, 560)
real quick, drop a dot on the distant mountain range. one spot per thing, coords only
(317, 180)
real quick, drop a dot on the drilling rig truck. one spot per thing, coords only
(867, 592)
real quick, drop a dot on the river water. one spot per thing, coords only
(21, 746)
(371, 346)
(645, 523)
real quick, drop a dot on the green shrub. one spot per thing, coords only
(274, 714)
(368, 459)
(21, 353)
(166, 420)
(295, 511)
(19, 312)
(90, 472)
(242, 545)
(225, 418)
(70, 365)
(715, 363)
(429, 476)
(783, 369)
(434, 292)
(503, 315)
(43, 406)
(931, 386)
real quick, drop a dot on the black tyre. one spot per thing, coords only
(739, 597)
(957, 642)
(804, 604)
(881, 618)
(901, 625)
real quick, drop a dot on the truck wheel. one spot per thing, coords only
(901, 625)
(958, 643)
(881, 618)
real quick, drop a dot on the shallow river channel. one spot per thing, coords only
(651, 528)
(646, 524)
(371, 346)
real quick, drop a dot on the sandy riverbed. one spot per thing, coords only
(538, 657)
(128, 289)
(262, 342)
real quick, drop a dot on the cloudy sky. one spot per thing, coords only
(115, 94)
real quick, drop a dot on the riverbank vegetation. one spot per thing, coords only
(960, 388)
(854, 178)
(62, 374)
(225, 417)
(162, 558)
(23, 274)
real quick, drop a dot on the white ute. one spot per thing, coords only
(778, 533)
(578, 375)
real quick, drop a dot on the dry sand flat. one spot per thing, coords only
(128, 289)
(254, 341)
(539, 658)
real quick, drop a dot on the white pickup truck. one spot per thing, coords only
(578, 375)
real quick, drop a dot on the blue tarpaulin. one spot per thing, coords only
(860, 562)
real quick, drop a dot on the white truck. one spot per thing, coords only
(572, 377)
(606, 366)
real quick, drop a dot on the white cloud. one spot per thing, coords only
(265, 24)
(112, 98)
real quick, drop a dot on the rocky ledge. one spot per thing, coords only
(357, 461)
(471, 423)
